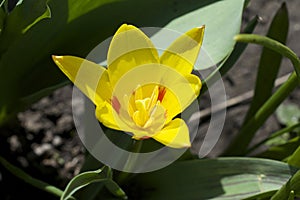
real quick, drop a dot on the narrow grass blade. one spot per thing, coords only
(269, 62)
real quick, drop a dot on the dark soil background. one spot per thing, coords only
(43, 141)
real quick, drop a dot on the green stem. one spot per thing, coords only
(274, 135)
(240, 144)
(136, 148)
(271, 44)
(29, 179)
(291, 188)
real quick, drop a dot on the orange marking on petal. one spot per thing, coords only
(116, 104)
(145, 137)
(161, 93)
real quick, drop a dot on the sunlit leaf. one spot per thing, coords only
(86, 178)
(222, 178)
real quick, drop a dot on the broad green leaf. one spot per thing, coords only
(220, 15)
(290, 189)
(283, 151)
(262, 196)
(44, 92)
(288, 114)
(222, 178)
(76, 27)
(231, 60)
(269, 62)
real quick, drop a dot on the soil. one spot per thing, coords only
(43, 142)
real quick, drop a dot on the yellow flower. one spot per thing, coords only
(141, 92)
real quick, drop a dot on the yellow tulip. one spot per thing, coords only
(141, 92)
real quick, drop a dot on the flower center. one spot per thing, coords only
(145, 107)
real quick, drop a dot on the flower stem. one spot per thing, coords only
(29, 179)
(136, 148)
(271, 44)
(240, 143)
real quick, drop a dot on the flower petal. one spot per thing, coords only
(183, 52)
(85, 75)
(175, 134)
(104, 114)
(184, 92)
(129, 48)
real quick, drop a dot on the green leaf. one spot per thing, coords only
(82, 180)
(280, 133)
(90, 191)
(44, 92)
(240, 148)
(220, 15)
(290, 189)
(283, 151)
(269, 62)
(294, 159)
(288, 114)
(21, 19)
(104, 178)
(267, 73)
(231, 60)
(115, 189)
(262, 196)
(222, 178)
(29, 179)
(2, 18)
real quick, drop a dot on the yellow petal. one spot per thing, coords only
(171, 104)
(104, 89)
(183, 52)
(175, 134)
(184, 92)
(104, 114)
(129, 48)
(85, 75)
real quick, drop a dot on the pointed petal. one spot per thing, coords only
(186, 91)
(129, 48)
(183, 52)
(104, 89)
(104, 114)
(86, 76)
(175, 134)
